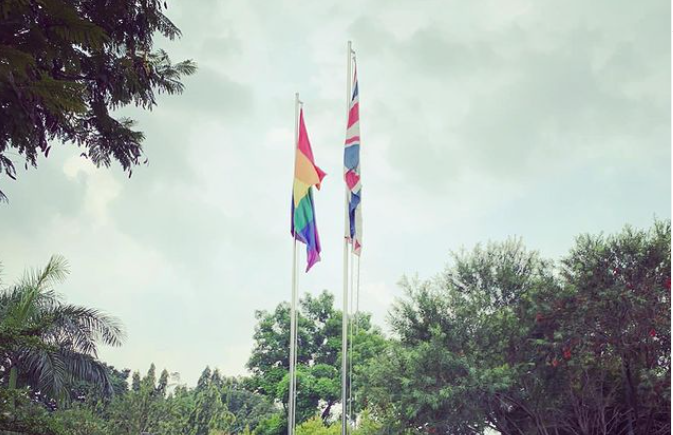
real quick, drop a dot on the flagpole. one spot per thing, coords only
(344, 325)
(293, 303)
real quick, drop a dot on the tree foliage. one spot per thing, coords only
(506, 340)
(49, 345)
(503, 340)
(318, 357)
(66, 65)
(215, 406)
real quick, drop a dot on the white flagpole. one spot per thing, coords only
(293, 303)
(350, 344)
(344, 326)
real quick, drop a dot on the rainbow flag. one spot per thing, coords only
(306, 175)
(352, 170)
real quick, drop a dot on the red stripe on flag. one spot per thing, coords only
(350, 140)
(354, 115)
(352, 179)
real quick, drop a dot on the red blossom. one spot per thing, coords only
(567, 354)
(554, 362)
(653, 332)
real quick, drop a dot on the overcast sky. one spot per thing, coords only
(480, 120)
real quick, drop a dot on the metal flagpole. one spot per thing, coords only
(356, 318)
(293, 303)
(296, 351)
(350, 344)
(293, 346)
(344, 326)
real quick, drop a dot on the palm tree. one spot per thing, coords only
(48, 344)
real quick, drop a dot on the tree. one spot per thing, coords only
(147, 408)
(612, 331)
(19, 413)
(507, 340)
(92, 393)
(316, 426)
(65, 65)
(247, 408)
(79, 420)
(318, 357)
(49, 345)
(274, 425)
(210, 415)
(458, 341)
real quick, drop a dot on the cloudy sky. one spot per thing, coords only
(480, 120)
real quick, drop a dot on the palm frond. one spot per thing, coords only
(33, 292)
(80, 328)
(53, 273)
(48, 370)
(59, 344)
(85, 368)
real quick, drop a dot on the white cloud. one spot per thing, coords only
(101, 187)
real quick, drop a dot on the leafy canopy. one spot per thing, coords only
(65, 65)
(508, 341)
(318, 358)
(49, 345)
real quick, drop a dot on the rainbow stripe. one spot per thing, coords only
(306, 175)
(352, 170)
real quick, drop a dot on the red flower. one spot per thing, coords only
(554, 362)
(653, 333)
(567, 354)
(668, 283)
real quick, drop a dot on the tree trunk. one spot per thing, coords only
(326, 412)
(632, 413)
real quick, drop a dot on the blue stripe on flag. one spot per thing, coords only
(352, 205)
(352, 156)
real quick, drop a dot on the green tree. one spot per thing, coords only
(93, 394)
(65, 65)
(506, 340)
(20, 413)
(147, 408)
(612, 331)
(273, 425)
(210, 415)
(79, 420)
(459, 339)
(248, 408)
(316, 426)
(318, 357)
(50, 345)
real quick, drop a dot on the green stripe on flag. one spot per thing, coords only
(303, 213)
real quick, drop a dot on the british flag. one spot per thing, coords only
(352, 170)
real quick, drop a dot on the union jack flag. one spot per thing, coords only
(352, 169)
